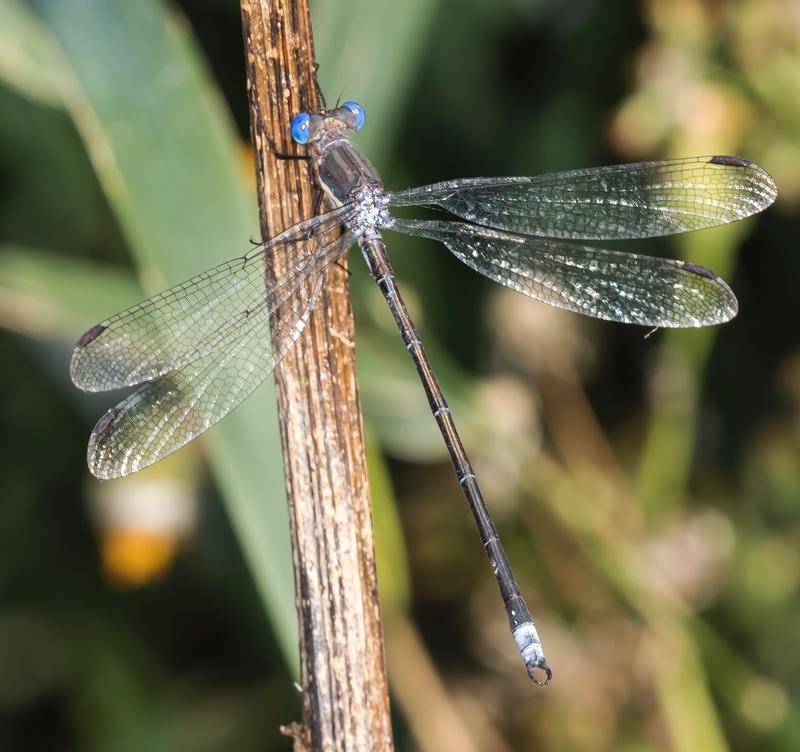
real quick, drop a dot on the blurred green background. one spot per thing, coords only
(648, 490)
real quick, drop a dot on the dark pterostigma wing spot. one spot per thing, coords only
(701, 271)
(105, 421)
(91, 335)
(730, 161)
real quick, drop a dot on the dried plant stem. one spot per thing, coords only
(345, 698)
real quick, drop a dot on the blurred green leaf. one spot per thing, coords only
(49, 297)
(27, 55)
(374, 61)
(395, 405)
(166, 155)
(394, 577)
(669, 446)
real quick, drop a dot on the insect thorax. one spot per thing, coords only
(369, 212)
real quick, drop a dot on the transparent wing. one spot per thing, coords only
(165, 414)
(605, 284)
(201, 315)
(640, 200)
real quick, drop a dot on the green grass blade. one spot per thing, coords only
(166, 155)
(370, 52)
(49, 297)
(27, 55)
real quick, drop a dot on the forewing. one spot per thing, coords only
(165, 414)
(195, 318)
(624, 287)
(639, 200)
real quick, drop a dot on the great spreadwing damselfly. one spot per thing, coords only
(198, 349)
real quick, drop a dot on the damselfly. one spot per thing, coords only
(200, 348)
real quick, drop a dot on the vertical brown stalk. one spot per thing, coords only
(345, 699)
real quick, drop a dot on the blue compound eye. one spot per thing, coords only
(358, 111)
(301, 127)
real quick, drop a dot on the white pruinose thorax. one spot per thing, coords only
(369, 212)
